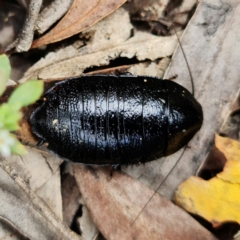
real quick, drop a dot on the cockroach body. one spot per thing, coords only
(116, 119)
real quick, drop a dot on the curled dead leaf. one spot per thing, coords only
(80, 16)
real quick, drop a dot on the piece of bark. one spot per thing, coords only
(25, 211)
(24, 40)
(51, 14)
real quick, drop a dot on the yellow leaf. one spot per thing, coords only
(218, 199)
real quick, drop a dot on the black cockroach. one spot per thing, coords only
(116, 119)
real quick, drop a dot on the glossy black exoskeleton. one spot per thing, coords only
(116, 119)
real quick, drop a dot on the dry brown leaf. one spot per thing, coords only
(81, 15)
(109, 41)
(114, 203)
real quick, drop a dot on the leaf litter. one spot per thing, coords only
(101, 60)
(217, 199)
(110, 41)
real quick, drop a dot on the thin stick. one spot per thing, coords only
(160, 185)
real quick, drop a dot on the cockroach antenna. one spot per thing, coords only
(193, 91)
(160, 185)
(184, 55)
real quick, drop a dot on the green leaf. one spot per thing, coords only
(9, 116)
(27, 93)
(5, 70)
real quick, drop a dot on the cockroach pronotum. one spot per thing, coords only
(116, 120)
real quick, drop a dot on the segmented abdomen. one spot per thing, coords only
(115, 119)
